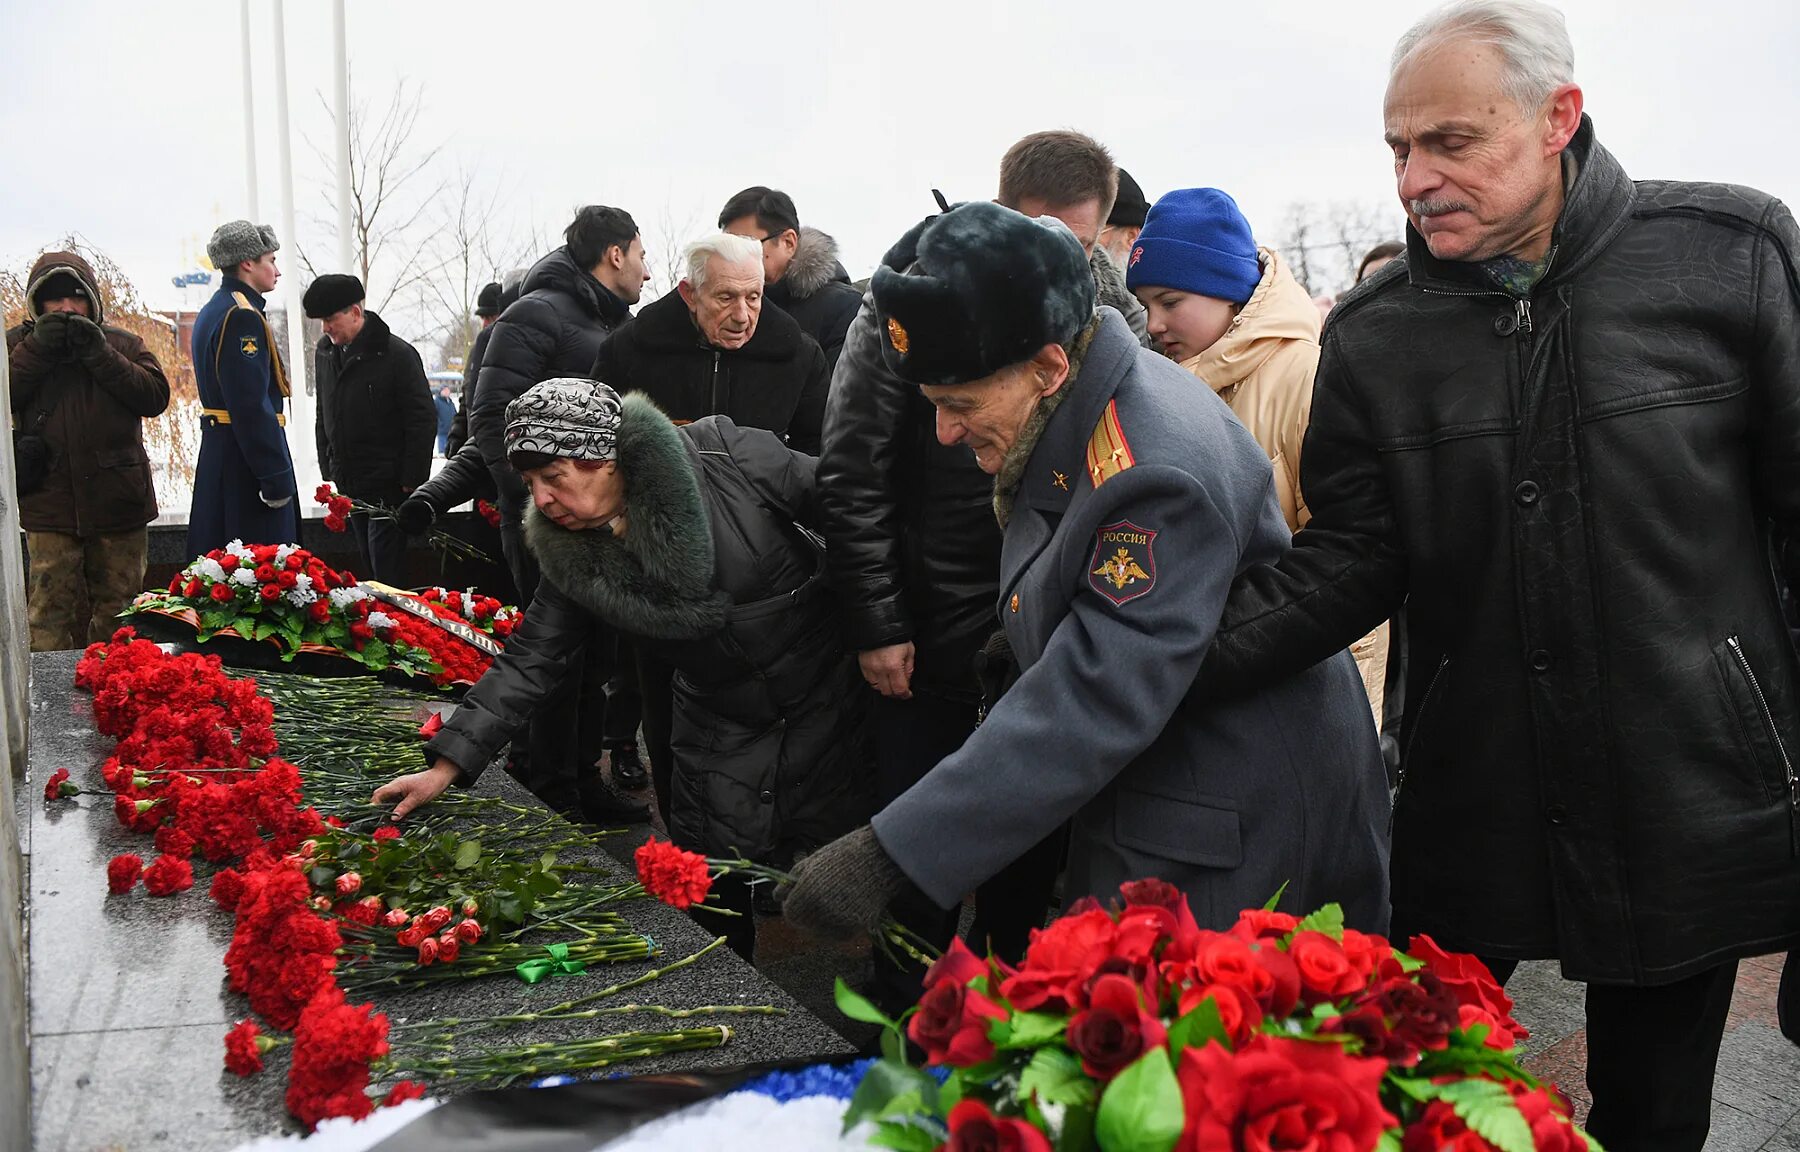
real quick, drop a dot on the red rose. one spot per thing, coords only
(1400, 1017)
(243, 1053)
(220, 592)
(435, 918)
(395, 918)
(951, 1025)
(349, 883)
(168, 875)
(1325, 971)
(1552, 1129)
(270, 592)
(1258, 924)
(1237, 1011)
(1278, 1093)
(296, 561)
(1371, 956)
(122, 873)
(1060, 960)
(1439, 1129)
(362, 631)
(1502, 1034)
(365, 911)
(975, 1128)
(1261, 969)
(957, 965)
(678, 878)
(428, 951)
(265, 573)
(412, 935)
(1473, 986)
(287, 579)
(449, 947)
(1114, 1029)
(468, 931)
(192, 589)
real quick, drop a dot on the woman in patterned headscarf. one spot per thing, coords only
(696, 542)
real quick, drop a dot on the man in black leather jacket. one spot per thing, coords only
(915, 550)
(1563, 429)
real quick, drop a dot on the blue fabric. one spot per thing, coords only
(1196, 240)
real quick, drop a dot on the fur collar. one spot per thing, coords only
(1012, 468)
(658, 580)
(815, 264)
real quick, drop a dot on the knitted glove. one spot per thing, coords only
(86, 341)
(843, 888)
(51, 331)
(414, 515)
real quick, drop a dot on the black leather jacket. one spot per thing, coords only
(1575, 494)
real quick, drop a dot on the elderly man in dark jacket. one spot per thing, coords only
(376, 418)
(570, 302)
(1563, 429)
(712, 349)
(81, 390)
(685, 539)
(801, 272)
(1128, 505)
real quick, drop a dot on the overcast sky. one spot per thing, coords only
(123, 120)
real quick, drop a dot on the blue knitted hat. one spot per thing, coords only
(1196, 240)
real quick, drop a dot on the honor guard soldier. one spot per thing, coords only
(1129, 499)
(244, 481)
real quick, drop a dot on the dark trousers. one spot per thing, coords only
(624, 702)
(381, 543)
(1651, 1053)
(731, 894)
(910, 737)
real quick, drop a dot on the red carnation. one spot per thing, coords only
(322, 494)
(334, 1044)
(172, 840)
(58, 786)
(168, 875)
(676, 877)
(1281, 1093)
(1114, 1029)
(220, 592)
(335, 523)
(244, 1048)
(405, 1090)
(975, 1128)
(433, 724)
(387, 832)
(122, 873)
(340, 505)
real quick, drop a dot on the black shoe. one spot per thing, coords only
(601, 805)
(628, 773)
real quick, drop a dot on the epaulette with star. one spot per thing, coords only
(1108, 452)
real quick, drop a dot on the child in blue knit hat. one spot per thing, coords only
(1233, 315)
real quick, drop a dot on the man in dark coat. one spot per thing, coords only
(244, 479)
(1563, 430)
(81, 391)
(916, 553)
(1128, 504)
(686, 540)
(489, 303)
(446, 416)
(801, 273)
(376, 420)
(712, 349)
(570, 302)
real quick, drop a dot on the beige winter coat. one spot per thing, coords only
(1263, 369)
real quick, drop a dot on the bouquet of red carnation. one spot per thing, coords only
(483, 613)
(338, 508)
(1132, 1029)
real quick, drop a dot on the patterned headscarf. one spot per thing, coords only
(572, 418)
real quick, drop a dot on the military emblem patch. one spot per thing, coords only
(1123, 566)
(897, 336)
(248, 346)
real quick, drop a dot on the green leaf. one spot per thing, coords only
(1329, 920)
(1077, 1133)
(1141, 1111)
(1276, 899)
(1027, 1030)
(1491, 1112)
(321, 877)
(547, 861)
(1055, 1077)
(377, 654)
(1199, 1028)
(467, 853)
(1408, 963)
(857, 1007)
(882, 1085)
(213, 619)
(904, 1137)
(1389, 1142)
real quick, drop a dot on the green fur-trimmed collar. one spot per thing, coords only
(657, 580)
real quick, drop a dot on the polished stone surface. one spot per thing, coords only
(129, 1007)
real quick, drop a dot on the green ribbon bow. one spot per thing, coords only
(555, 962)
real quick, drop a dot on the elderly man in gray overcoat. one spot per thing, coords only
(1130, 500)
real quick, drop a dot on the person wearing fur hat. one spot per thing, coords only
(376, 418)
(694, 541)
(801, 272)
(244, 479)
(81, 391)
(1232, 313)
(1127, 508)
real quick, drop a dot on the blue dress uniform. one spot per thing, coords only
(243, 441)
(1141, 501)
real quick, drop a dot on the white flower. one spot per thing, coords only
(300, 597)
(468, 601)
(380, 620)
(304, 583)
(244, 576)
(344, 597)
(210, 569)
(282, 553)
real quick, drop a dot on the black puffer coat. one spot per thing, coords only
(554, 329)
(776, 381)
(1575, 493)
(376, 420)
(713, 579)
(815, 290)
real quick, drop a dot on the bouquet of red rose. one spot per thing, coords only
(1131, 1029)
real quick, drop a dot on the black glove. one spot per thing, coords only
(995, 670)
(844, 887)
(86, 340)
(414, 515)
(51, 331)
